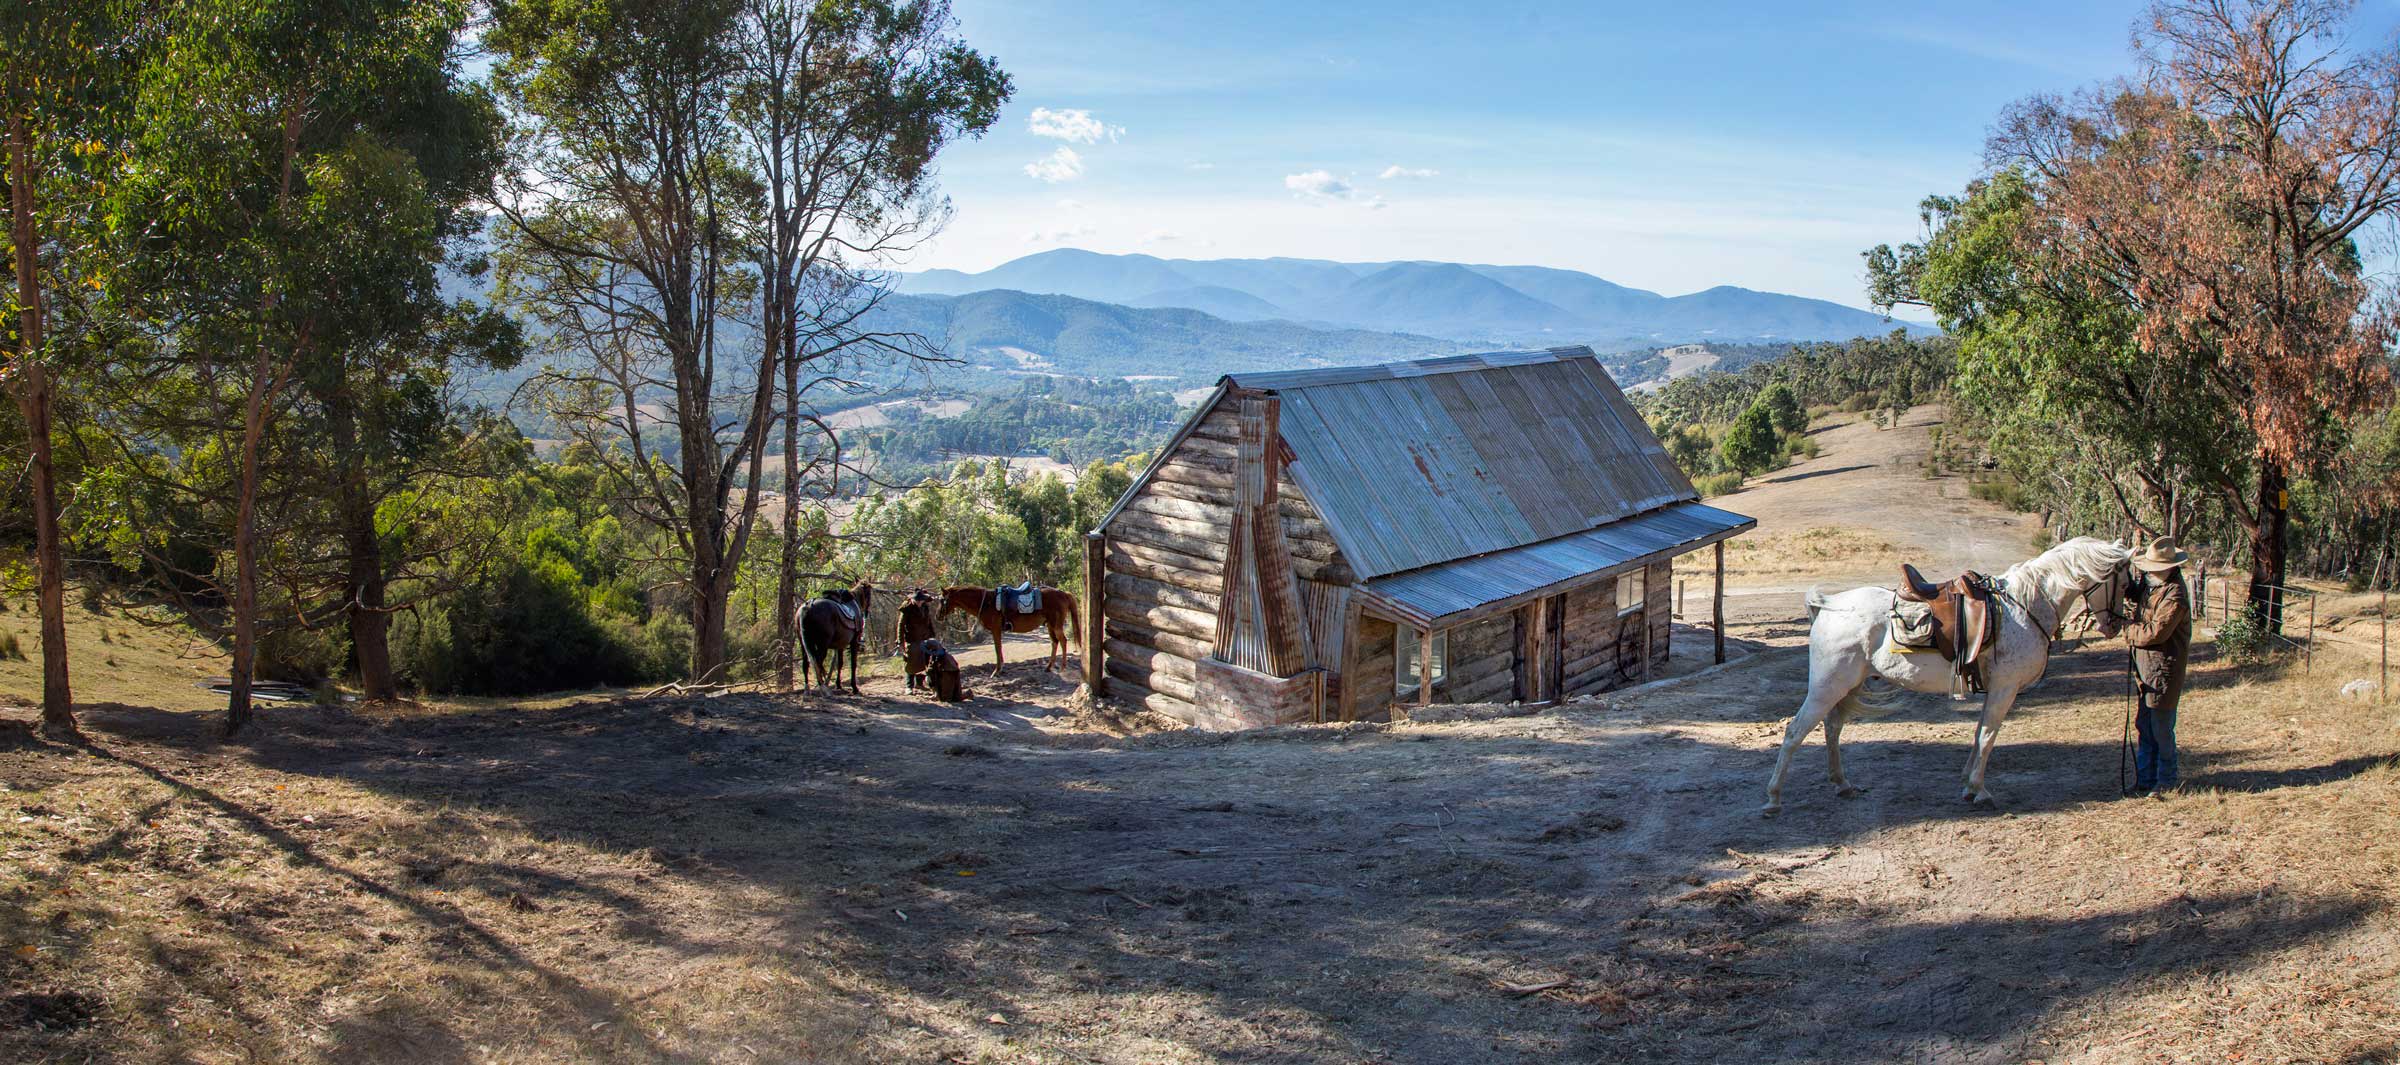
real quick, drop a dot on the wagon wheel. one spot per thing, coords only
(1629, 649)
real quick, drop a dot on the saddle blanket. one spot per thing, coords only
(1025, 598)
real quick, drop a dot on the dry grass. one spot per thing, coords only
(1806, 552)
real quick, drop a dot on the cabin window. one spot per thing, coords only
(1629, 592)
(1408, 678)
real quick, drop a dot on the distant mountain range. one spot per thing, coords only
(1018, 332)
(1466, 303)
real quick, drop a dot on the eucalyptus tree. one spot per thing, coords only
(64, 65)
(2220, 199)
(841, 111)
(276, 219)
(688, 173)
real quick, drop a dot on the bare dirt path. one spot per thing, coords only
(1868, 488)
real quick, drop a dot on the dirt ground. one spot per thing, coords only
(880, 879)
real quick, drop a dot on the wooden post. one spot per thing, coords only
(1095, 583)
(1681, 587)
(1347, 694)
(2201, 586)
(1554, 643)
(1717, 610)
(1424, 669)
(2383, 641)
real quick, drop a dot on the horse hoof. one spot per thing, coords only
(1850, 791)
(1985, 801)
(1770, 809)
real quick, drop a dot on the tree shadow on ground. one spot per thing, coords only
(1294, 895)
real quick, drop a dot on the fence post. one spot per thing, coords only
(1680, 587)
(1717, 605)
(2308, 661)
(2383, 641)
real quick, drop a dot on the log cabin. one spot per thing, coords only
(1350, 543)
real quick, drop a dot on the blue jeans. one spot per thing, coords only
(2154, 751)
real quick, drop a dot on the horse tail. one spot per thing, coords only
(1814, 600)
(1865, 705)
(1075, 618)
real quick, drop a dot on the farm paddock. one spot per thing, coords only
(875, 879)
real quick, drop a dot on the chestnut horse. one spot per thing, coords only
(1057, 613)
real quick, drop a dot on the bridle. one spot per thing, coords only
(2119, 581)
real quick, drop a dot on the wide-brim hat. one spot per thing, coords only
(2162, 555)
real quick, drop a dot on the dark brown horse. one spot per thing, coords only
(1057, 613)
(916, 627)
(835, 623)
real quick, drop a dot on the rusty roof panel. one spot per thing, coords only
(1445, 589)
(1419, 463)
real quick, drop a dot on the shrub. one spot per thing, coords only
(2244, 640)
(9, 648)
(1751, 445)
(1717, 484)
(2007, 493)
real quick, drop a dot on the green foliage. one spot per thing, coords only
(1783, 405)
(1717, 484)
(1069, 420)
(2007, 492)
(1751, 446)
(2244, 639)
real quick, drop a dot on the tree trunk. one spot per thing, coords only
(2267, 544)
(245, 553)
(787, 585)
(370, 622)
(712, 589)
(33, 400)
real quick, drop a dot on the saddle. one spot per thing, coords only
(1961, 611)
(1023, 598)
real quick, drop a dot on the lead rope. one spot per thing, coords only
(2125, 741)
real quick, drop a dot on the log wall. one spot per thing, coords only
(1378, 669)
(1165, 568)
(1483, 658)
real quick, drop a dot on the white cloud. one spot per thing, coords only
(1203, 166)
(1070, 205)
(1321, 187)
(1162, 236)
(1318, 184)
(1398, 171)
(1061, 165)
(1072, 124)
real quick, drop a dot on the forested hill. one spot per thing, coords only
(1063, 335)
(1475, 304)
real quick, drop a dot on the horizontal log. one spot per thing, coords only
(1158, 703)
(1197, 446)
(1190, 624)
(1159, 681)
(1180, 646)
(1220, 425)
(1174, 534)
(1150, 658)
(1170, 507)
(1207, 495)
(1147, 592)
(1497, 688)
(1163, 564)
(1178, 471)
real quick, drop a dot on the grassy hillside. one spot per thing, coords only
(140, 658)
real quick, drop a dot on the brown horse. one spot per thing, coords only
(1057, 614)
(835, 622)
(915, 627)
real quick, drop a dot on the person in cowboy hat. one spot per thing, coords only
(2161, 636)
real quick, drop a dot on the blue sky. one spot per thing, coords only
(1665, 146)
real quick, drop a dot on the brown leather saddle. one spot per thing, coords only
(1963, 628)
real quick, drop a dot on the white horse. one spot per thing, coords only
(1846, 640)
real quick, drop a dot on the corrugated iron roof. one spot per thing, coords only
(1418, 463)
(1439, 591)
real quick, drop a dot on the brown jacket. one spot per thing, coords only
(2161, 635)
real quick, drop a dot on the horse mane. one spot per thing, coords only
(2080, 562)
